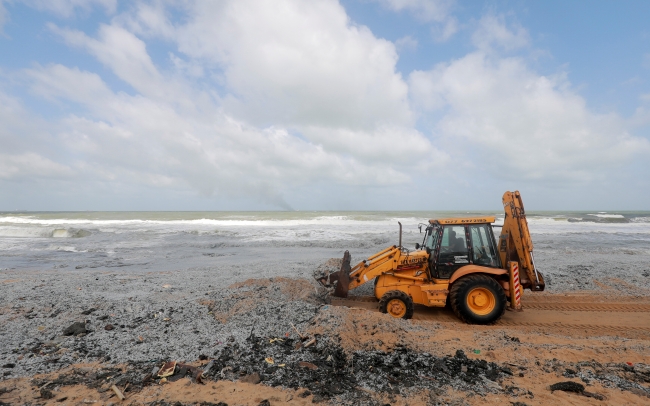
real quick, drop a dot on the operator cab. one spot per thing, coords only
(456, 242)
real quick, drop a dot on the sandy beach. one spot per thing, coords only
(245, 340)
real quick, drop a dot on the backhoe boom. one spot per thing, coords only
(515, 243)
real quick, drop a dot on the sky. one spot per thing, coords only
(323, 104)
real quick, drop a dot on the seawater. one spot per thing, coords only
(571, 247)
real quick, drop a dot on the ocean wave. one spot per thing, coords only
(198, 224)
(589, 218)
(640, 220)
(40, 232)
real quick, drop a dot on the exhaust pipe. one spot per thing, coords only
(400, 234)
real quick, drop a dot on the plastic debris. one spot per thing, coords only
(167, 369)
(308, 365)
(310, 342)
(269, 360)
(299, 335)
(75, 329)
(477, 351)
(118, 393)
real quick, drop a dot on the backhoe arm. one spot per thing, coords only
(374, 266)
(515, 243)
(385, 262)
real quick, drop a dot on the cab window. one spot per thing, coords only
(483, 249)
(453, 251)
(431, 239)
(453, 240)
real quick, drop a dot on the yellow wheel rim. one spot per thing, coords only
(396, 308)
(481, 301)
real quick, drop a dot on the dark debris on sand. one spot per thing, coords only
(328, 372)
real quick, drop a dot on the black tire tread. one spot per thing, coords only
(456, 297)
(397, 294)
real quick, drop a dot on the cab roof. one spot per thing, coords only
(464, 220)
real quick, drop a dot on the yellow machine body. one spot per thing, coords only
(478, 279)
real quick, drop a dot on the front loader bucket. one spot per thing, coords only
(341, 279)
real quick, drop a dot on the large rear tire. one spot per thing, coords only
(478, 299)
(396, 303)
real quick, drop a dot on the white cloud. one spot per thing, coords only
(443, 32)
(31, 165)
(241, 105)
(493, 31)
(406, 43)
(67, 8)
(534, 126)
(158, 143)
(124, 53)
(331, 74)
(429, 11)
(426, 10)
(330, 96)
(24, 145)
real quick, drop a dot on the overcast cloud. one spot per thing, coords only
(268, 103)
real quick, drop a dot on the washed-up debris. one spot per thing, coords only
(167, 369)
(46, 394)
(298, 332)
(173, 371)
(576, 387)
(327, 371)
(310, 342)
(118, 393)
(75, 329)
(309, 365)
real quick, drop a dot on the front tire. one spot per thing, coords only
(478, 299)
(396, 303)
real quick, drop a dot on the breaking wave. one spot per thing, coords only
(41, 232)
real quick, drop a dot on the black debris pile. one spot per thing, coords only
(327, 372)
(132, 377)
(625, 376)
(165, 403)
(569, 386)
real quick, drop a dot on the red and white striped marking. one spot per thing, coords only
(515, 284)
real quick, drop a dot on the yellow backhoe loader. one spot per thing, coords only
(460, 263)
